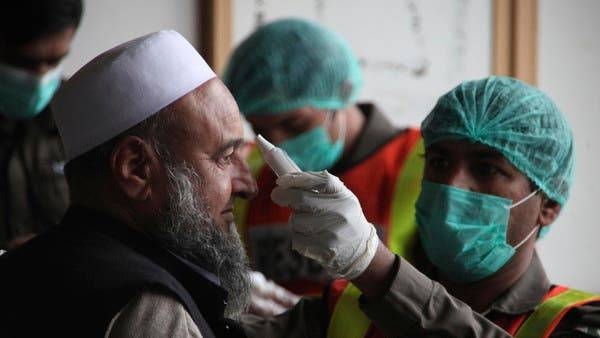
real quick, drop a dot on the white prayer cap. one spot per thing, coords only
(124, 86)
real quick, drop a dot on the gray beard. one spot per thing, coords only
(187, 229)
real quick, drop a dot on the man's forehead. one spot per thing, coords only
(210, 113)
(214, 98)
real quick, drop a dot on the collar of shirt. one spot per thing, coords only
(7, 126)
(526, 293)
(199, 270)
(521, 297)
(376, 132)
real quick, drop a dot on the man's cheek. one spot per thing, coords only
(223, 189)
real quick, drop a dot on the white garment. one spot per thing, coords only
(267, 298)
(153, 314)
(124, 86)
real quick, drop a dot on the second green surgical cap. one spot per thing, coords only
(289, 64)
(514, 118)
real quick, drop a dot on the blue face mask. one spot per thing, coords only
(464, 232)
(24, 95)
(313, 150)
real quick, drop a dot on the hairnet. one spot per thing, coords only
(514, 118)
(291, 63)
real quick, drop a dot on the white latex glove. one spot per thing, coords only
(328, 224)
(267, 298)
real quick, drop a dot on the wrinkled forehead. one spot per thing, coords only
(207, 116)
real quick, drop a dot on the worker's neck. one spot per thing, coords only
(481, 295)
(355, 122)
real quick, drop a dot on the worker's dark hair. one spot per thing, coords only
(23, 21)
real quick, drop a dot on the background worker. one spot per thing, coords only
(35, 36)
(297, 84)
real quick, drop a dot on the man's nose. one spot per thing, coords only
(243, 183)
(459, 177)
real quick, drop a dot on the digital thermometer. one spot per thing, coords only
(276, 158)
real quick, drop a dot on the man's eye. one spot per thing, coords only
(295, 126)
(437, 162)
(226, 160)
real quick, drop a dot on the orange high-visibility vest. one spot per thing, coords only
(545, 318)
(386, 183)
(348, 321)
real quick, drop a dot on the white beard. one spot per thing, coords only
(187, 229)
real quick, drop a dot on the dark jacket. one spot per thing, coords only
(72, 280)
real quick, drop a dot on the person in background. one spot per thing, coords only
(35, 35)
(297, 84)
(148, 246)
(498, 170)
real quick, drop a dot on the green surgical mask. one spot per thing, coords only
(24, 95)
(314, 150)
(464, 232)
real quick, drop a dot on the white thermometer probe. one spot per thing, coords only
(276, 158)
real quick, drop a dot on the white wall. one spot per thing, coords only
(569, 71)
(107, 23)
(447, 40)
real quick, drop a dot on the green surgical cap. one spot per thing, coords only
(514, 118)
(289, 64)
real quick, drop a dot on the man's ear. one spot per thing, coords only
(134, 166)
(549, 211)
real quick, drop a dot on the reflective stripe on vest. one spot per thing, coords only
(347, 320)
(543, 321)
(240, 205)
(408, 185)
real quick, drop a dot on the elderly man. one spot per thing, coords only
(148, 247)
(35, 35)
(499, 166)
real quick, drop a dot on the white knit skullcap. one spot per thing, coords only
(124, 86)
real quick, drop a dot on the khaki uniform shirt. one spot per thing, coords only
(33, 189)
(525, 296)
(527, 293)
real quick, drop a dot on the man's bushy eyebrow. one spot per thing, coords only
(235, 143)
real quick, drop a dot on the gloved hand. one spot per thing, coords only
(267, 298)
(328, 224)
